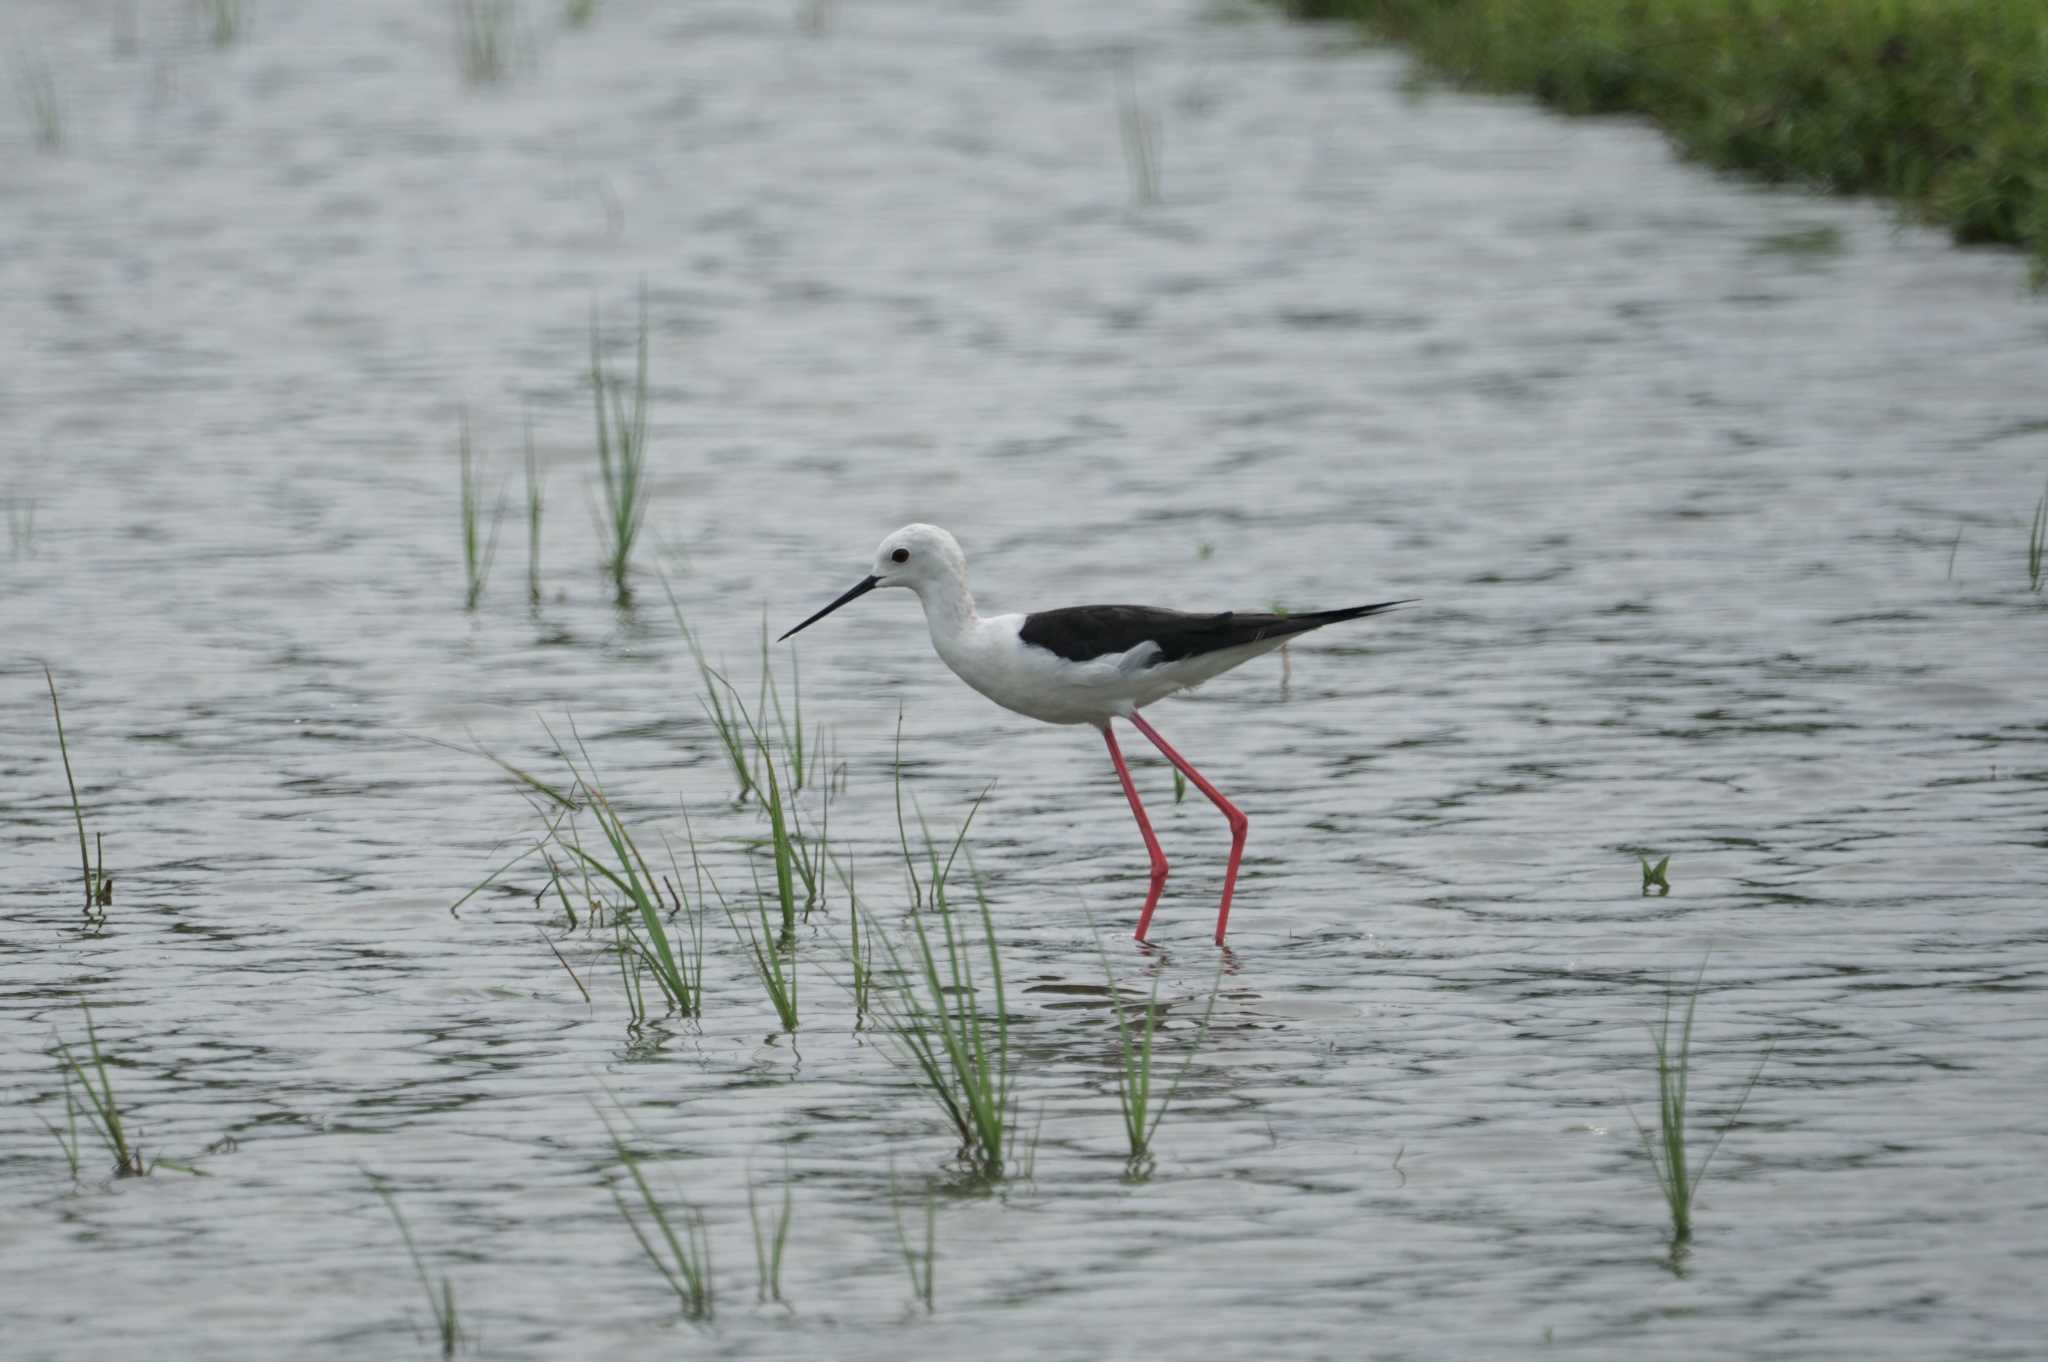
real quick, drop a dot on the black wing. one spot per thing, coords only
(1081, 633)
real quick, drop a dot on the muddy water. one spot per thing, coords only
(1715, 498)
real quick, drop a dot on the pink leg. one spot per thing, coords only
(1123, 773)
(1239, 824)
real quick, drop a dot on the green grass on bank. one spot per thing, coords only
(1942, 104)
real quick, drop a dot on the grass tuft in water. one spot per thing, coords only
(1657, 877)
(686, 1264)
(863, 971)
(441, 1296)
(534, 495)
(2037, 539)
(1803, 241)
(814, 17)
(773, 955)
(99, 887)
(100, 1108)
(38, 92)
(483, 38)
(920, 1264)
(226, 21)
(638, 918)
(932, 1006)
(728, 727)
(770, 1241)
(621, 452)
(1141, 134)
(477, 549)
(1667, 1149)
(21, 527)
(1134, 1078)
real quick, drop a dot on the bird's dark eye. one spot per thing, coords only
(900, 556)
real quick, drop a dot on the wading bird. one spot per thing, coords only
(1086, 664)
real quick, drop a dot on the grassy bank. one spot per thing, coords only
(1942, 104)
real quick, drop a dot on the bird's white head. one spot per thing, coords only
(923, 558)
(920, 557)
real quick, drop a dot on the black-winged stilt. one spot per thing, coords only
(1086, 664)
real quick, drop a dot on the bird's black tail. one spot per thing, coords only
(1301, 621)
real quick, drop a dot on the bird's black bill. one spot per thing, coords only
(861, 589)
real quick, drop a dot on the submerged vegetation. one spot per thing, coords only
(1134, 1078)
(1141, 134)
(1941, 105)
(933, 1005)
(37, 89)
(683, 1260)
(21, 526)
(100, 1108)
(99, 888)
(2037, 540)
(483, 38)
(225, 21)
(534, 508)
(918, 1263)
(477, 549)
(1667, 1147)
(621, 452)
(440, 1296)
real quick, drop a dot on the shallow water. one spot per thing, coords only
(1720, 549)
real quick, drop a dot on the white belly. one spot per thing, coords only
(989, 656)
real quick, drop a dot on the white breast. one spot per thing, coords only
(989, 655)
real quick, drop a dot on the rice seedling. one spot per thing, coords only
(1134, 1079)
(99, 888)
(902, 835)
(224, 21)
(773, 956)
(686, 1266)
(621, 452)
(642, 937)
(21, 527)
(101, 1109)
(932, 1007)
(534, 485)
(477, 550)
(38, 91)
(753, 757)
(1667, 1149)
(728, 729)
(2037, 539)
(483, 38)
(1656, 876)
(441, 1296)
(1141, 134)
(779, 831)
(863, 974)
(769, 1245)
(921, 1265)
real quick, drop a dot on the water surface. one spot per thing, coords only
(1720, 552)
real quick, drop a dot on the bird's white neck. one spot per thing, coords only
(948, 610)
